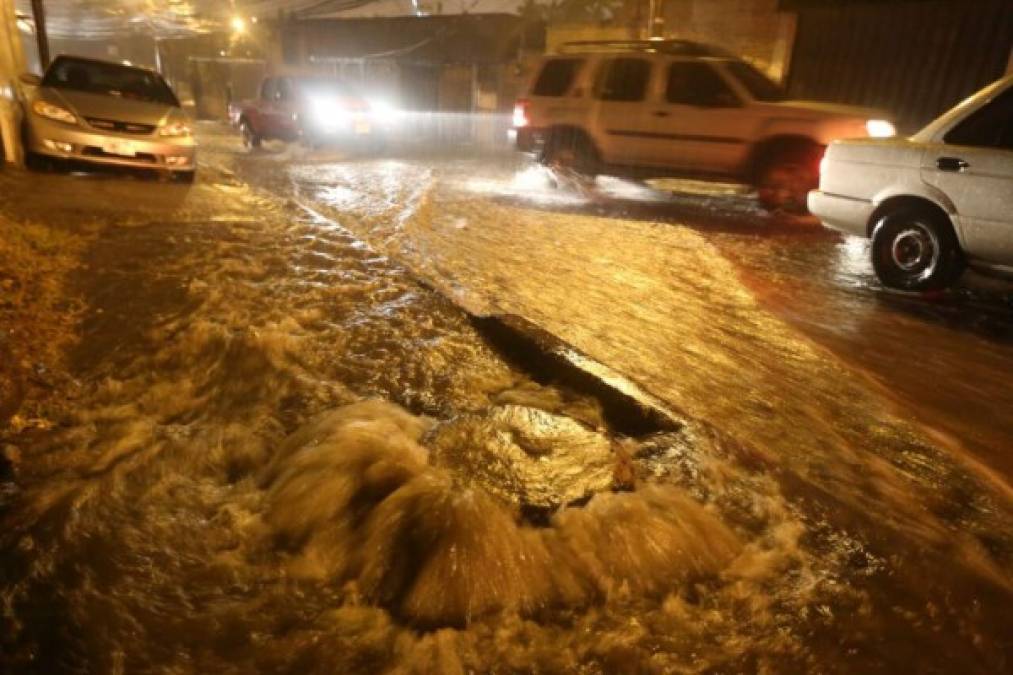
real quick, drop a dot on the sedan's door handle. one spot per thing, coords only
(660, 113)
(951, 164)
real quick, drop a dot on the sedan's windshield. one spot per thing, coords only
(110, 79)
(760, 87)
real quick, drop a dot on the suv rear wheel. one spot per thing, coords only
(570, 150)
(915, 249)
(785, 179)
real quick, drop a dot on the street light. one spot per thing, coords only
(238, 24)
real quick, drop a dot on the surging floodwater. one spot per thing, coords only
(289, 457)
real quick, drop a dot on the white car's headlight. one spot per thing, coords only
(880, 129)
(54, 112)
(175, 130)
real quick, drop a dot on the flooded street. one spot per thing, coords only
(452, 413)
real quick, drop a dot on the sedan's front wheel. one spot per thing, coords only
(915, 249)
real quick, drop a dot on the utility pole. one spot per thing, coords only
(656, 19)
(41, 37)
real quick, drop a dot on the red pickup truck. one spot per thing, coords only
(314, 110)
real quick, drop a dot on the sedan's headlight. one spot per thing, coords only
(880, 129)
(54, 112)
(175, 130)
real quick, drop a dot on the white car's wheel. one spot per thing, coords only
(915, 249)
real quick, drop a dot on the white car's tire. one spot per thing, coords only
(915, 249)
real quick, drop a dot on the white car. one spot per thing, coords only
(931, 203)
(676, 108)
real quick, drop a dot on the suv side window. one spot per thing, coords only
(623, 79)
(697, 84)
(556, 77)
(267, 89)
(989, 127)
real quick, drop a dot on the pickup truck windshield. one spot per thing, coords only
(323, 85)
(109, 79)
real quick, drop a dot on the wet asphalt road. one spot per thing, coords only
(944, 358)
(218, 497)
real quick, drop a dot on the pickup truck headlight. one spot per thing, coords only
(54, 112)
(175, 130)
(327, 111)
(880, 129)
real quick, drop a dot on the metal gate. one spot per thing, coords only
(914, 59)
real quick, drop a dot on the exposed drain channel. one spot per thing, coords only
(628, 410)
(548, 360)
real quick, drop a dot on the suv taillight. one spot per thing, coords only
(521, 118)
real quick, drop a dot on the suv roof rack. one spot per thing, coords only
(678, 47)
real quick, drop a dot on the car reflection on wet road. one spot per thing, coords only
(298, 446)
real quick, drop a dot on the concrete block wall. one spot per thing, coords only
(754, 29)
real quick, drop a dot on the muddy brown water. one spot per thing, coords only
(290, 456)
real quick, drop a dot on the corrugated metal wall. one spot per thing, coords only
(914, 59)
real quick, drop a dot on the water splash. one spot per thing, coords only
(355, 497)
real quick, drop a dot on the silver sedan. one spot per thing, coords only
(108, 113)
(932, 203)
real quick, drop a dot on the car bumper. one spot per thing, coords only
(526, 139)
(63, 141)
(846, 214)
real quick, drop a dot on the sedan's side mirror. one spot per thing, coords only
(30, 79)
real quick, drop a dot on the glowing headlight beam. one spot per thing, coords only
(327, 111)
(54, 112)
(880, 129)
(175, 130)
(383, 111)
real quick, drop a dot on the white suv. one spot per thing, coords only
(676, 108)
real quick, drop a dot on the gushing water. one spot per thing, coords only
(355, 498)
(288, 456)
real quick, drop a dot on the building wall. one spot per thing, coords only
(753, 29)
(558, 34)
(911, 59)
(137, 49)
(458, 64)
